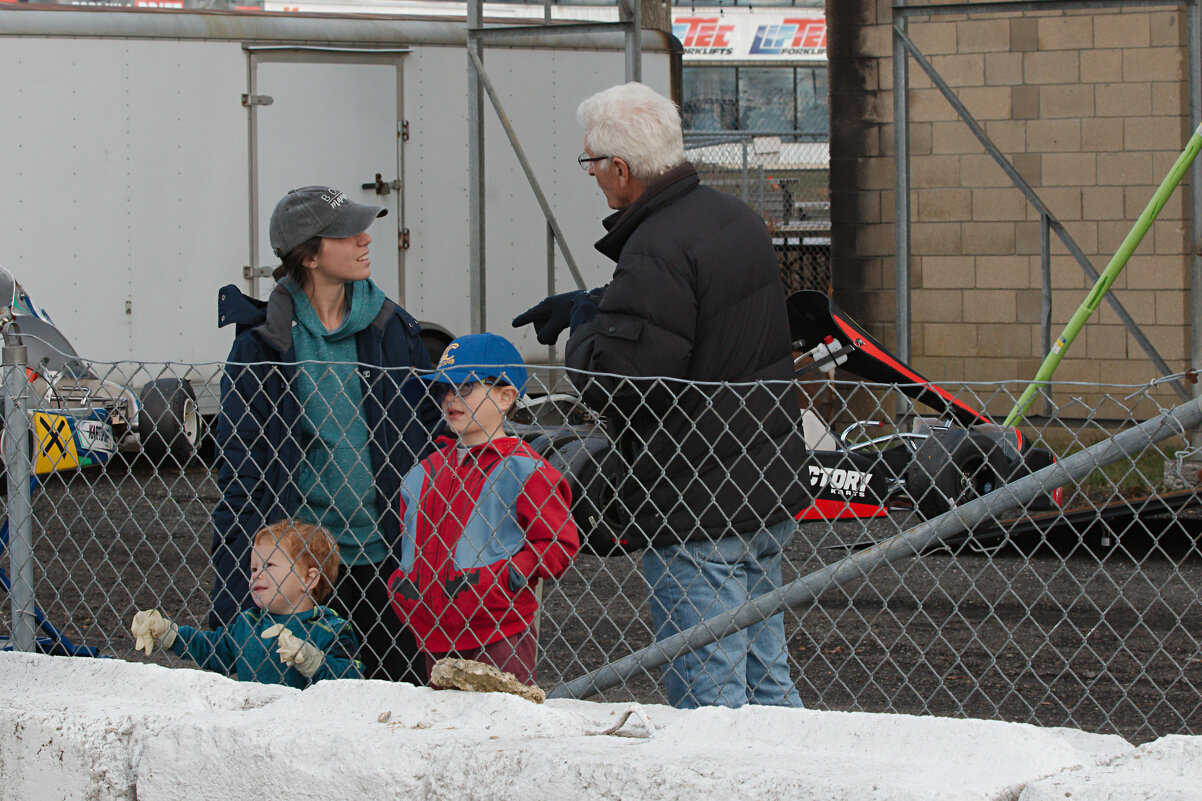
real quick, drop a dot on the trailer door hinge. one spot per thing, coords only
(249, 272)
(404, 130)
(404, 239)
(249, 100)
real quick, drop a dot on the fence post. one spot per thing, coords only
(20, 511)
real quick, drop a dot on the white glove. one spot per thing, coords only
(150, 629)
(300, 654)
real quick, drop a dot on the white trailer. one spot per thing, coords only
(144, 151)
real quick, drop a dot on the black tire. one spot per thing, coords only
(952, 469)
(169, 424)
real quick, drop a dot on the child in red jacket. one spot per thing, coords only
(482, 520)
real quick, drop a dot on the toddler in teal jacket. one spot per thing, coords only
(292, 569)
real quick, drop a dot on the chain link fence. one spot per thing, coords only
(784, 177)
(1078, 606)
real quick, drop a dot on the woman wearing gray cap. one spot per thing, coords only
(321, 416)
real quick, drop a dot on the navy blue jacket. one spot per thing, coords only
(259, 441)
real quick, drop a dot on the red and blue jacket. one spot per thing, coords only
(478, 528)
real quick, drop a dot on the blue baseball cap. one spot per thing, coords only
(478, 356)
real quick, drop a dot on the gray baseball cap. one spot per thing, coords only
(317, 211)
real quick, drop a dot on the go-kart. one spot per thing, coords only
(81, 419)
(943, 462)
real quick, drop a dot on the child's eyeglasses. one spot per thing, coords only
(441, 391)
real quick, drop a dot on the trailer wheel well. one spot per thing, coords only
(435, 338)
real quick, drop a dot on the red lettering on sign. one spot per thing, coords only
(810, 32)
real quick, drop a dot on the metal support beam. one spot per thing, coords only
(634, 39)
(20, 509)
(1194, 244)
(475, 167)
(901, 200)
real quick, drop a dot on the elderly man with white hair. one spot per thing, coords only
(688, 355)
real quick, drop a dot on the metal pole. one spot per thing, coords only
(901, 196)
(906, 544)
(1194, 85)
(634, 39)
(551, 282)
(475, 169)
(746, 186)
(20, 510)
(1045, 298)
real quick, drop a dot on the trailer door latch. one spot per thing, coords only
(249, 100)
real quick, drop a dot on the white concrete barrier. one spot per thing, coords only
(107, 729)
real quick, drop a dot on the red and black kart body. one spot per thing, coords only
(938, 466)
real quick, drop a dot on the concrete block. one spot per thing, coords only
(983, 169)
(1124, 30)
(988, 238)
(1003, 272)
(1167, 28)
(1027, 237)
(1054, 136)
(990, 306)
(1140, 306)
(934, 171)
(1147, 271)
(1066, 100)
(1102, 134)
(949, 339)
(1170, 238)
(1009, 136)
(927, 105)
(942, 205)
(1029, 166)
(940, 305)
(1065, 33)
(1064, 202)
(1101, 66)
(1024, 103)
(874, 240)
(1061, 66)
(1003, 69)
(1005, 341)
(952, 137)
(986, 102)
(936, 239)
(947, 272)
(1102, 203)
(1170, 342)
(1172, 308)
(1028, 306)
(934, 38)
(983, 35)
(873, 173)
(991, 205)
(1152, 133)
(1136, 198)
(961, 69)
(1126, 169)
(1154, 64)
(1123, 99)
(1024, 34)
(1103, 342)
(1168, 99)
(1074, 169)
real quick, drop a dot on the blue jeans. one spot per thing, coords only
(693, 581)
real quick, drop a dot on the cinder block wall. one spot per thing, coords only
(1090, 107)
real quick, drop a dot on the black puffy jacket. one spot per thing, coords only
(696, 295)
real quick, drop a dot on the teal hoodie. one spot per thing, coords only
(335, 477)
(240, 650)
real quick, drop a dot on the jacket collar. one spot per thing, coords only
(659, 193)
(501, 446)
(271, 319)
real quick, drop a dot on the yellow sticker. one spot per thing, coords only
(55, 442)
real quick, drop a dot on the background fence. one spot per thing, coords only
(784, 177)
(1083, 614)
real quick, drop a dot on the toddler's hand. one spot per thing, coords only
(150, 629)
(293, 651)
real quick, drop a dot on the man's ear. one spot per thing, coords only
(621, 169)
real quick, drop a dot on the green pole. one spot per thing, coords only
(1108, 276)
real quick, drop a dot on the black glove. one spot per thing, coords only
(585, 308)
(550, 317)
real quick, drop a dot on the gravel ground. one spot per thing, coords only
(1097, 629)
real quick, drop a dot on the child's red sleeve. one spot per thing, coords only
(543, 512)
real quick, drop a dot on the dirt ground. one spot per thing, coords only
(1097, 629)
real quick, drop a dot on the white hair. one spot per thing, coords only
(636, 124)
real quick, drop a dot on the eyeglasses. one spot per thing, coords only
(584, 159)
